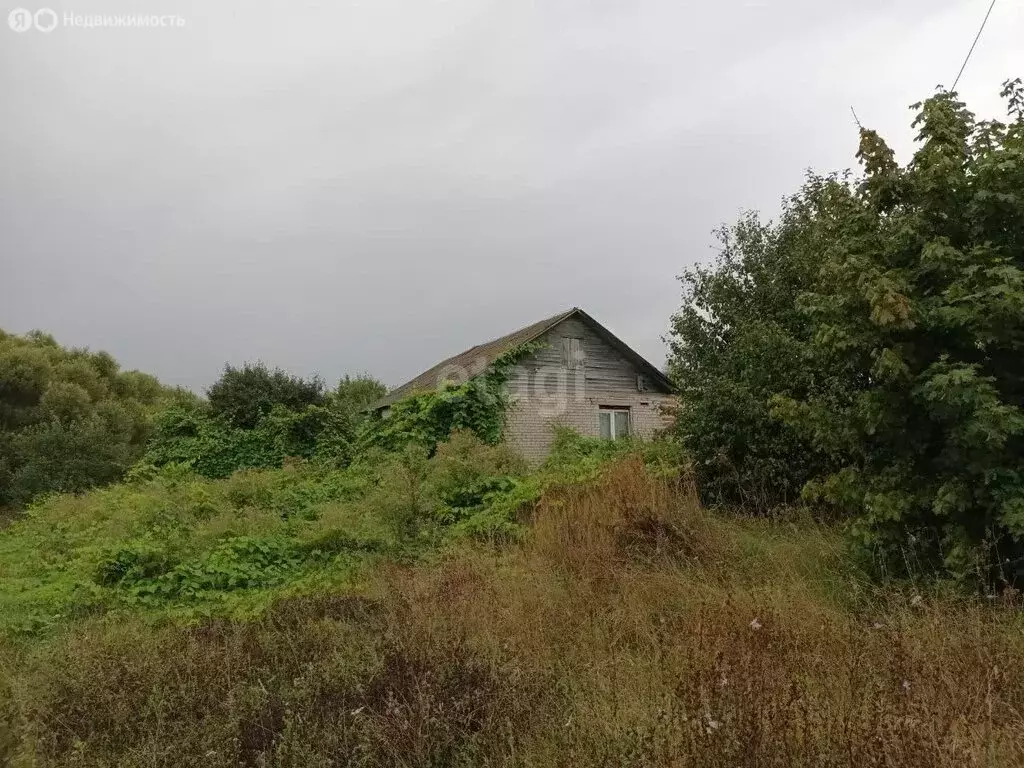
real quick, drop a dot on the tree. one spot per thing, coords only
(738, 340)
(345, 411)
(917, 313)
(69, 418)
(354, 394)
(243, 396)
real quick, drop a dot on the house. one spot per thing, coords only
(582, 377)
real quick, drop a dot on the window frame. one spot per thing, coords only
(611, 410)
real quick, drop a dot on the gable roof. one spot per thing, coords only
(476, 359)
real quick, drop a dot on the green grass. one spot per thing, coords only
(621, 625)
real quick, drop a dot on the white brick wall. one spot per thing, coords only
(529, 428)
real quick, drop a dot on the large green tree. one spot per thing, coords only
(357, 393)
(919, 308)
(870, 346)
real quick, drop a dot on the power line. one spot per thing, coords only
(968, 58)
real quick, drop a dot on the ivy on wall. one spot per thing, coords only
(428, 418)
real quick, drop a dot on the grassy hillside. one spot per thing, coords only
(292, 618)
(171, 543)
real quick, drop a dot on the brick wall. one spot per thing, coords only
(529, 428)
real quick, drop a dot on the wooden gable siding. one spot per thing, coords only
(604, 368)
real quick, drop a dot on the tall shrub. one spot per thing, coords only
(243, 396)
(69, 418)
(918, 309)
(191, 435)
(738, 340)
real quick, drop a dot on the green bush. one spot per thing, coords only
(490, 494)
(466, 470)
(244, 396)
(192, 434)
(237, 563)
(917, 313)
(738, 340)
(132, 562)
(69, 419)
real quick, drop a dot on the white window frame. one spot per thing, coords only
(611, 410)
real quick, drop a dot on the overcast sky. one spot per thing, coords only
(374, 185)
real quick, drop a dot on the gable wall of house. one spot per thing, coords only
(548, 392)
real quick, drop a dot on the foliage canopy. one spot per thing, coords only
(739, 339)
(257, 418)
(919, 312)
(69, 418)
(870, 347)
(243, 396)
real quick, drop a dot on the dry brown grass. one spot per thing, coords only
(631, 629)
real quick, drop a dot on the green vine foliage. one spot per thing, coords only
(228, 433)
(188, 434)
(428, 418)
(241, 562)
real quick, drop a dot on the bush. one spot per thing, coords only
(244, 396)
(466, 471)
(738, 340)
(133, 562)
(192, 434)
(69, 419)
(918, 315)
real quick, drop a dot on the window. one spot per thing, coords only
(613, 422)
(572, 353)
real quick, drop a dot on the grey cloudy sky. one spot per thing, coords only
(373, 185)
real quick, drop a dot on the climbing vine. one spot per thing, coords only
(428, 418)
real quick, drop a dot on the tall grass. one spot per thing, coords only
(630, 628)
